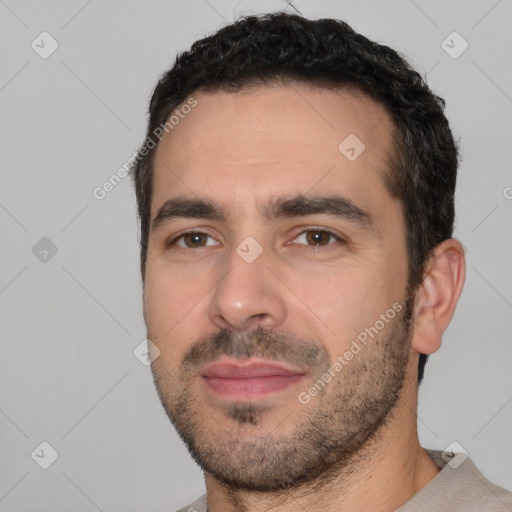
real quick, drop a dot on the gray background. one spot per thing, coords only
(70, 321)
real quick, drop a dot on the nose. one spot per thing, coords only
(247, 295)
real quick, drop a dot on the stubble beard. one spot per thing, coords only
(329, 435)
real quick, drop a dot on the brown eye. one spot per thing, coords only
(193, 240)
(317, 237)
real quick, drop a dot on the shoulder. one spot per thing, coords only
(198, 506)
(459, 486)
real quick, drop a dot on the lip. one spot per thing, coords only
(248, 379)
(248, 368)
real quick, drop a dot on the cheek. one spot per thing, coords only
(345, 301)
(171, 307)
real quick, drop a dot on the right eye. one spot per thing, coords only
(192, 240)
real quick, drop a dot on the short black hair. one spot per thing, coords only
(327, 53)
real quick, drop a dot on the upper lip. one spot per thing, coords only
(236, 369)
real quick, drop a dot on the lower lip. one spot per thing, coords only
(250, 388)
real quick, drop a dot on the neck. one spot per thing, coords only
(386, 473)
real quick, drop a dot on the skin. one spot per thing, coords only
(239, 149)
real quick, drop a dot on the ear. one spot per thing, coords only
(438, 295)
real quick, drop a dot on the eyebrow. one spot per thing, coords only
(274, 209)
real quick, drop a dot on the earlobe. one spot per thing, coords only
(437, 296)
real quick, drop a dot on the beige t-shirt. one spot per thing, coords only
(458, 487)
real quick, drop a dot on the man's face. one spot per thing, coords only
(252, 308)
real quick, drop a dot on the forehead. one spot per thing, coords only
(274, 139)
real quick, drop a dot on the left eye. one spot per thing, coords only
(318, 237)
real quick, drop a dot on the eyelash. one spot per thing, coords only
(339, 239)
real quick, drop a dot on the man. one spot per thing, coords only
(296, 198)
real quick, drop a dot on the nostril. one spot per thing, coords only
(254, 320)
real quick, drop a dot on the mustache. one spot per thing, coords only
(259, 342)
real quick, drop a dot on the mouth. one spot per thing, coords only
(249, 379)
